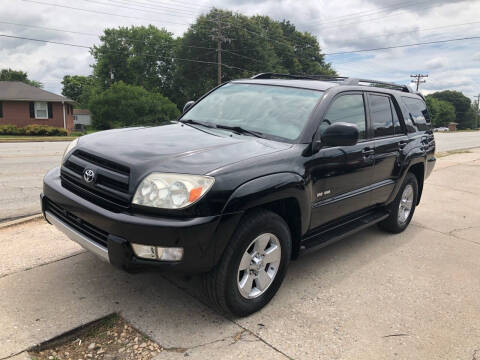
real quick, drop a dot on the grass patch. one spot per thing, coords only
(451, 152)
(15, 138)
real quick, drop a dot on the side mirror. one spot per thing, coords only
(188, 105)
(340, 134)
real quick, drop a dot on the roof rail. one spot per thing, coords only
(341, 80)
(272, 75)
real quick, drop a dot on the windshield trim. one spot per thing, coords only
(265, 135)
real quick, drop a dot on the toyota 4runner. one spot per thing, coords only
(250, 176)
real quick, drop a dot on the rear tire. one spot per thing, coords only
(253, 265)
(402, 208)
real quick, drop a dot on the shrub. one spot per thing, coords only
(32, 130)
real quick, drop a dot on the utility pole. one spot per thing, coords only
(477, 110)
(419, 79)
(219, 37)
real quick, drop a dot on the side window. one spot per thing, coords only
(381, 113)
(418, 113)
(348, 108)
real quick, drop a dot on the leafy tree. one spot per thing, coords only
(137, 55)
(442, 112)
(463, 110)
(258, 44)
(123, 105)
(18, 75)
(76, 87)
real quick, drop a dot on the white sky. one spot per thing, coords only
(339, 26)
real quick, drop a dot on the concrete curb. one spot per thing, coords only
(20, 221)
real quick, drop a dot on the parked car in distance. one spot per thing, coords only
(251, 176)
(441, 129)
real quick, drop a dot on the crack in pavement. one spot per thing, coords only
(227, 318)
(443, 233)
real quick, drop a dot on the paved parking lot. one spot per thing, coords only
(22, 166)
(372, 296)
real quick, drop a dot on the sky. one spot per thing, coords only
(340, 26)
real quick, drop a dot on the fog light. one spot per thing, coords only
(145, 251)
(158, 253)
(169, 254)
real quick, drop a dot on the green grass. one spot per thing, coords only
(22, 138)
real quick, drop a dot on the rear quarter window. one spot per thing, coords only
(417, 113)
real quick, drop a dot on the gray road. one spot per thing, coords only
(22, 166)
(371, 296)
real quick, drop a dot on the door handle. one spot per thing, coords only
(367, 152)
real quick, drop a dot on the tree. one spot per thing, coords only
(137, 55)
(258, 44)
(462, 105)
(76, 87)
(442, 112)
(18, 75)
(124, 105)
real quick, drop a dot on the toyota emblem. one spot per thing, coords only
(89, 175)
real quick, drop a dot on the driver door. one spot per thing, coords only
(341, 175)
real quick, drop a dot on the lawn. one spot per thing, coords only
(15, 138)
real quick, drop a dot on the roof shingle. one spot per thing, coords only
(16, 90)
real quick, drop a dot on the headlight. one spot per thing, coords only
(171, 191)
(69, 148)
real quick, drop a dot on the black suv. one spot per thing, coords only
(251, 175)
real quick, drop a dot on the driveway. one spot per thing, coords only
(373, 295)
(22, 166)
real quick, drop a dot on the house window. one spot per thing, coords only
(41, 110)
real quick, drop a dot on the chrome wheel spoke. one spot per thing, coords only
(272, 255)
(245, 262)
(261, 243)
(245, 284)
(262, 280)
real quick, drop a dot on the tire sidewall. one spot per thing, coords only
(271, 223)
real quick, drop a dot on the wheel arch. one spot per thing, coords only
(282, 193)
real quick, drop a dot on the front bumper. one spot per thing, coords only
(109, 234)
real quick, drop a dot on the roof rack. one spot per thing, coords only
(341, 80)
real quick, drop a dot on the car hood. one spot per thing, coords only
(176, 148)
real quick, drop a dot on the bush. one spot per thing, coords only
(124, 105)
(32, 130)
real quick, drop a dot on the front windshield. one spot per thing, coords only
(272, 110)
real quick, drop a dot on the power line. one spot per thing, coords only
(177, 13)
(104, 12)
(148, 6)
(87, 47)
(402, 46)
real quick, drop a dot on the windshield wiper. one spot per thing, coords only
(240, 130)
(196, 122)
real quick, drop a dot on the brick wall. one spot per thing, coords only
(18, 113)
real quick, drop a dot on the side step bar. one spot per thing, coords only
(339, 231)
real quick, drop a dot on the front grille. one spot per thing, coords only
(83, 227)
(111, 186)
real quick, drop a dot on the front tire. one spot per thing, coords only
(253, 265)
(402, 208)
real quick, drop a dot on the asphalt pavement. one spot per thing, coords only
(23, 165)
(371, 296)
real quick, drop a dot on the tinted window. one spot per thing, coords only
(347, 108)
(417, 111)
(381, 113)
(272, 110)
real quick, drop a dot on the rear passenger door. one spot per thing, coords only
(389, 140)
